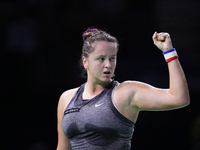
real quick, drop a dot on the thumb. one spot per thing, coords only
(154, 37)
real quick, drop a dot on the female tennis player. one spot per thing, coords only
(101, 113)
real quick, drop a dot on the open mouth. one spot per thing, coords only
(106, 72)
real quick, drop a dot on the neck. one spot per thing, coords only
(92, 89)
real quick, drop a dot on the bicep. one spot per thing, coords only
(147, 97)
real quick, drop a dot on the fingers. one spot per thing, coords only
(162, 36)
(162, 40)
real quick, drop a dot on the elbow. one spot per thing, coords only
(185, 101)
(182, 102)
(185, 98)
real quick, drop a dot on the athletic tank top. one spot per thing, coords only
(96, 124)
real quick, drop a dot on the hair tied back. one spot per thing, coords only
(88, 32)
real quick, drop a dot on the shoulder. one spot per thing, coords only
(129, 86)
(126, 90)
(66, 97)
(69, 93)
(123, 96)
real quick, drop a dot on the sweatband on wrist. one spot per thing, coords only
(170, 55)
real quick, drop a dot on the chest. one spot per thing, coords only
(93, 116)
(97, 118)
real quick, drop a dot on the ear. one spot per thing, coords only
(85, 62)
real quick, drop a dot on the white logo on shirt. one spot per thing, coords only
(97, 105)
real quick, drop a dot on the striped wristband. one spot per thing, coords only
(170, 55)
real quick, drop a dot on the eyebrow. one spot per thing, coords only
(105, 55)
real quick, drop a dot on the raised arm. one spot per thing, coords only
(146, 97)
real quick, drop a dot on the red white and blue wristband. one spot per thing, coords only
(170, 55)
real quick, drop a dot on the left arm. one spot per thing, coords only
(146, 97)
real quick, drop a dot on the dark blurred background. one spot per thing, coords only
(40, 48)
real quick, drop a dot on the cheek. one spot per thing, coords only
(97, 65)
(114, 63)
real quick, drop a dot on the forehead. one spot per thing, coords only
(105, 48)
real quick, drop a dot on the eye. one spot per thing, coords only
(112, 58)
(101, 59)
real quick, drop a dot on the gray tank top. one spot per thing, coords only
(96, 124)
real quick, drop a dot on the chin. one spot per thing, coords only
(106, 79)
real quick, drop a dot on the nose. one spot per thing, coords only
(107, 63)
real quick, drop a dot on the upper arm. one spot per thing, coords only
(63, 141)
(147, 97)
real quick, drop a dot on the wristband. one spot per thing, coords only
(170, 55)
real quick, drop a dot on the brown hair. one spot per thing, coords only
(90, 36)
